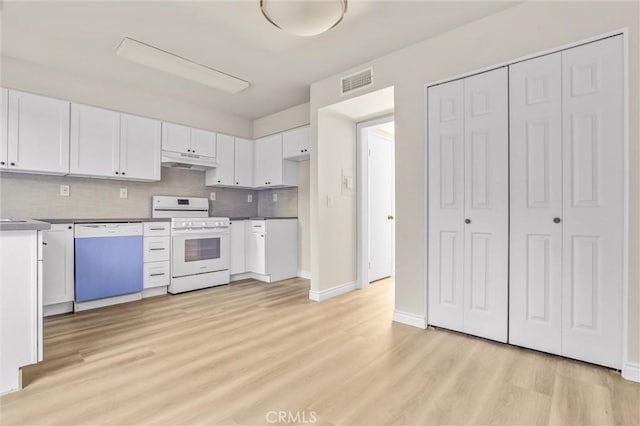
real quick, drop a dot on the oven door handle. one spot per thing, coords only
(188, 235)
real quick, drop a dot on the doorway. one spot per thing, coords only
(376, 140)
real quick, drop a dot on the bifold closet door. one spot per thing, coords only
(535, 273)
(446, 204)
(468, 204)
(593, 221)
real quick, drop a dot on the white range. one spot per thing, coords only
(199, 243)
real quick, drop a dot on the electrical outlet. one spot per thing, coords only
(64, 190)
(123, 193)
(249, 198)
(212, 196)
(275, 197)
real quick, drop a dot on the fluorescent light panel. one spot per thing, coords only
(153, 57)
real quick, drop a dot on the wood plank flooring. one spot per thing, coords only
(242, 353)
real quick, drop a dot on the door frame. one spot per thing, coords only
(362, 203)
(632, 372)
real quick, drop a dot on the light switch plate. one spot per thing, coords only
(124, 193)
(275, 197)
(64, 190)
(250, 198)
(212, 196)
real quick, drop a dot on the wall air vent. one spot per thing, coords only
(357, 81)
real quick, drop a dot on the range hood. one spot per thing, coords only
(181, 160)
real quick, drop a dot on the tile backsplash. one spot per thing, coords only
(38, 196)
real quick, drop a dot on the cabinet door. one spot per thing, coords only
(446, 204)
(256, 261)
(4, 160)
(486, 204)
(295, 144)
(238, 264)
(95, 141)
(593, 201)
(57, 260)
(268, 161)
(223, 174)
(243, 164)
(535, 273)
(176, 138)
(38, 133)
(203, 142)
(140, 140)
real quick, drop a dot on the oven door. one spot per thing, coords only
(199, 253)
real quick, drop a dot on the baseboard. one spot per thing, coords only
(251, 275)
(319, 296)
(304, 274)
(631, 371)
(57, 309)
(108, 301)
(154, 291)
(409, 319)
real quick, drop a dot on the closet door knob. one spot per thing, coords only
(467, 221)
(556, 220)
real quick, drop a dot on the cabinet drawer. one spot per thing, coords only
(156, 229)
(156, 274)
(256, 226)
(156, 249)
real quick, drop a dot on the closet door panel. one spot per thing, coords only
(486, 204)
(593, 175)
(535, 282)
(446, 204)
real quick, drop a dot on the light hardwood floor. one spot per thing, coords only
(233, 354)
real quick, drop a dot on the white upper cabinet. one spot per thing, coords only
(223, 174)
(37, 134)
(3, 129)
(203, 142)
(268, 161)
(95, 141)
(183, 139)
(139, 147)
(176, 138)
(243, 163)
(295, 144)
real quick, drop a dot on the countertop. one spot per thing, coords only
(23, 225)
(112, 220)
(262, 218)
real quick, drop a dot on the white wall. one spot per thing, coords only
(518, 31)
(20, 75)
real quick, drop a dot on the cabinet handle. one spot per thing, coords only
(467, 221)
(117, 173)
(13, 164)
(556, 220)
(188, 150)
(70, 227)
(122, 173)
(2, 163)
(156, 275)
(44, 243)
(193, 150)
(156, 229)
(218, 181)
(237, 183)
(156, 249)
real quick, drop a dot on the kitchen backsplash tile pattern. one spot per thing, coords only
(38, 196)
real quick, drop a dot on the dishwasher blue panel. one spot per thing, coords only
(107, 266)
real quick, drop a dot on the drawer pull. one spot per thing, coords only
(155, 249)
(157, 275)
(157, 229)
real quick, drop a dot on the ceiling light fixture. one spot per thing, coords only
(304, 17)
(159, 59)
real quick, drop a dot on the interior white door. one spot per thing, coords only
(535, 282)
(140, 141)
(593, 176)
(446, 204)
(381, 208)
(486, 233)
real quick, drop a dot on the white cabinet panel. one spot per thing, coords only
(238, 236)
(58, 264)
(156, 249)
(4, 108)
(593, 201)
(95, 141)
(256, 247)
(140, 142)
(176, 138)
(295, 144)
(156, 229)
(446, 204)
(38, 134)
(156, 274)
(486, 204)
(243, 162)
(223, 174)
(268, 169)
(535, 282)
(203, 142)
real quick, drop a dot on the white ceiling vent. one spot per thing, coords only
(357, 81)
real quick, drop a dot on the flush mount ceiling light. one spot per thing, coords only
(304, 17)
(159, 59)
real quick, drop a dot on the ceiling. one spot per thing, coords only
(80, 37)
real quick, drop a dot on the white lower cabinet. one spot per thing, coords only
(156, 246)
(156, 274)
(238, 264)
(58, 269)
(272, 248)
(256, 247)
